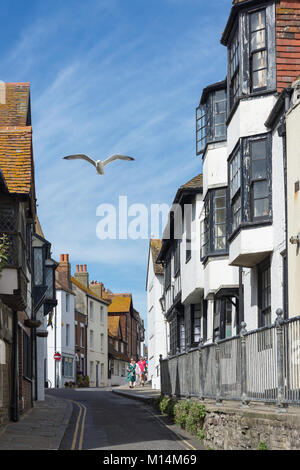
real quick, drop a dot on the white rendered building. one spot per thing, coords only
(61, 331)
(157, 324)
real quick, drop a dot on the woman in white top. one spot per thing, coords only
(137, 375)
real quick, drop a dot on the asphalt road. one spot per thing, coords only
(102, 420)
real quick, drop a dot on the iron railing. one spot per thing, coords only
(260, 365)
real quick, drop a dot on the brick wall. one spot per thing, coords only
(287, 42)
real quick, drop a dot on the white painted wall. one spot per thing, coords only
(98, 354)
(192, 278)
(293, 198)
(214, 167)
(249, 119)
(63, 318)
(157, 328)
(218, 273)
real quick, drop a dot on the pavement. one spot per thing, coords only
(145, 394)
(41, 428)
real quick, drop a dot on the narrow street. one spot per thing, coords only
(102, 420)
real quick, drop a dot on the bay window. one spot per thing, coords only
(259, 182)
(250, 185)
(219, 220)
(234, 68)
(250, 41)
(211, 116)
(214, 225)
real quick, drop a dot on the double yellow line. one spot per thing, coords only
(80, 423)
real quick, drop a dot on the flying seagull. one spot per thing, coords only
(98, 164)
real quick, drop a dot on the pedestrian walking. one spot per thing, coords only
(143, 367)
(131, 376)
(138, 373)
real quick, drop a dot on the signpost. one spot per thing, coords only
(57, 356)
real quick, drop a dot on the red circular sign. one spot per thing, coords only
(57, 356)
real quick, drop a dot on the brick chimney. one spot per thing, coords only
(97, 288)
(63, 272)
(82, 275)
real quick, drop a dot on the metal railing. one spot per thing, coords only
(260, 365)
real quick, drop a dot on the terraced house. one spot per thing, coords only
(27, 290)
(90, 304)
(237, 351)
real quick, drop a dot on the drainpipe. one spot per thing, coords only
(15, 371)
(241, 299)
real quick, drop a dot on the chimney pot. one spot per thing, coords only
(84, 268)
(77, 268)
(81, 268)
(61, 258)
(67, 258)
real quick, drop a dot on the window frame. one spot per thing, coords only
(256, 51)
(242, 24)
(256, 180)
(247, 183)
(210, 225)
(237, 71)
(193, 325)
(206, 116)
(264, 310)
(168, 272)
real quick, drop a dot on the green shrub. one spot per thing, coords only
(181, 411)
(262, 446)
(195, 418)
(166, 406)
(200, 434)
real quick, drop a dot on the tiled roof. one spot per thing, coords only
(194, 183)
(119, 303)
(113, 325)
(14, 104)
(16, 158)
(155, 246)
(85, 289)
(38, 227)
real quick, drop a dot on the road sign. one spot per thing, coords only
(57, 356)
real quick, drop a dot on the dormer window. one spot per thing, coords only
(211, 116)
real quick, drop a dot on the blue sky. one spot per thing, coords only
(111, 76)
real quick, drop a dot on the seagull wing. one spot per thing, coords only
(116, 157)
(81, 157)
